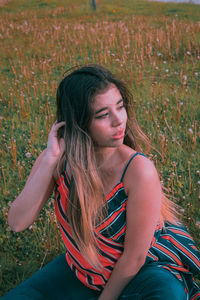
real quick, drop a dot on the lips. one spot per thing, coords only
(119, 134)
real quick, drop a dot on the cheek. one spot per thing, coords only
(96, 129)
(125, 116)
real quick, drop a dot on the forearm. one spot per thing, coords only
(30, 201)
(122, 274)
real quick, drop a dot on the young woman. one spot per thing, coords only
(122, 236)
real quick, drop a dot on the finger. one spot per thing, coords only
(59, 124)
(56, 126)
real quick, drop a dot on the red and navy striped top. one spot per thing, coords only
(171, 248)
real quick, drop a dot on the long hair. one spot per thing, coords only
(75, 95)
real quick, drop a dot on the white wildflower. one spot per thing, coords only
(185, 77)
(190, 130)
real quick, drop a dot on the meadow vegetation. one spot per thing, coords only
(154, 47)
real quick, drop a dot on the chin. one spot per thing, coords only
(109, 144)
(115, 144)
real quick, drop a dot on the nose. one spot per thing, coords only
(116, 119)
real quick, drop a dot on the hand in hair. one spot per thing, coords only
(39, 186)
(55, 146)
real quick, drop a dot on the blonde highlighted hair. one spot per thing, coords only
(75, 94)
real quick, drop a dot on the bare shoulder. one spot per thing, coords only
(140, 164)
(141, 171)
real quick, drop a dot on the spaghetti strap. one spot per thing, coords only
(137, 153)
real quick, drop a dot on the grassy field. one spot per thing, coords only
(154, 47)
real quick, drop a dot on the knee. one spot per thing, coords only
(172, 289)
(165, 286)
(155, 284)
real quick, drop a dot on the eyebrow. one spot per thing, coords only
(105, 108)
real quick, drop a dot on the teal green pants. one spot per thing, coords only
(56, 281)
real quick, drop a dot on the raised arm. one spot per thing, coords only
(143, 188)
(39, 186)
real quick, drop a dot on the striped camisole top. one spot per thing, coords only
(171, 248)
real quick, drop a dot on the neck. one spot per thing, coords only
(105, 156)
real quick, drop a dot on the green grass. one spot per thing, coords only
(152, 46)
(105, 8)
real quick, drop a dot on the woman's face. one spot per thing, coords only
(109, 117)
